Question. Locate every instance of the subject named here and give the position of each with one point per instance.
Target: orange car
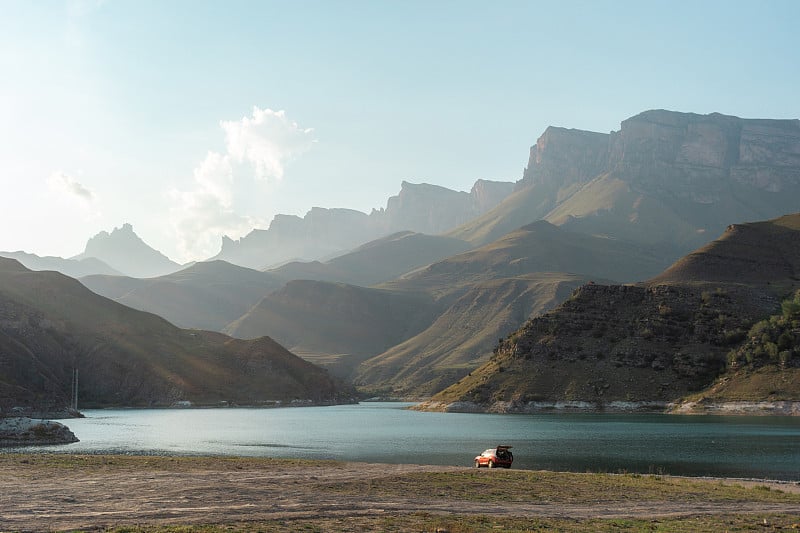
(500, 456)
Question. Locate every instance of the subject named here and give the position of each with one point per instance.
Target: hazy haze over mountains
(622, 207)
(322, 233)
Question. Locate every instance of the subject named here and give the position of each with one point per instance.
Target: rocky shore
(23, 431)
(776, 408)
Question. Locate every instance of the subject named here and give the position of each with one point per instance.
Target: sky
(192, 119)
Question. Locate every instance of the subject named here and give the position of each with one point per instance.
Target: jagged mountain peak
(126, 252)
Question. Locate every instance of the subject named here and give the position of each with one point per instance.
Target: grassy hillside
(463, 336)
(668, 338)
(335, 324)
(488, 292)
(50, 324)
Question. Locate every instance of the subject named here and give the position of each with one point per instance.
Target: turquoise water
(759, 447)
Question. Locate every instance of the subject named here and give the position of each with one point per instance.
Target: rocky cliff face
(699, 157)
(563, 157)
(486, 194)
(686, 154)
(665, 178)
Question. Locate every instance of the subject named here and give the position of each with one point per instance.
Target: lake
(757, 447)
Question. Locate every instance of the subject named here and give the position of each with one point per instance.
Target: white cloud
(259, 146)
(267, 140)
(201, 216)
(63, 184)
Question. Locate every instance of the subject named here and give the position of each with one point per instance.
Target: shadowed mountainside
(537, 247)
(653, 342)
(334, 324)
(50, 324)
(207, 295)
(74, 268)
(211, 295)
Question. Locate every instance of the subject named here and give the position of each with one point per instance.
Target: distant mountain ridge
(206, 295)
(323, 233)
(74, 268)
(667, 178)
(126, 252)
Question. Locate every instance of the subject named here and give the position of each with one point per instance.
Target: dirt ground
(36, 495)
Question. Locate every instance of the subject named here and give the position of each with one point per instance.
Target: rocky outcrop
(686, 154)
(28, 432)
(486, 194)
(698, 157)
(562, 157)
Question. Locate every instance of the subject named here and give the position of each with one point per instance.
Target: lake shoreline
(58, 492)
(699, 408)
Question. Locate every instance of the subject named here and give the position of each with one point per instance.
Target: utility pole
(75, 388)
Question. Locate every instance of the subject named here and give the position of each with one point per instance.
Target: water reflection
(762, 447)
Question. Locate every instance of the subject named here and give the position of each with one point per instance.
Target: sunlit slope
(521, 208)
(207, 295)
(538, 247)
(462, 338)
(759, 253)
(377, 261)
(336, 324)
(51, 324)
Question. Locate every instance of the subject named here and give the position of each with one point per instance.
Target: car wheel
(477, 464)
(490, 464)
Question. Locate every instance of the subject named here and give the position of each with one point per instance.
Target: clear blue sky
(165, 114)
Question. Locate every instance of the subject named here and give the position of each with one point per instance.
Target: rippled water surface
(761, 447)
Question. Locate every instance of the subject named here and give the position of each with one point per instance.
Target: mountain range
(50, 325)
(410, 299)
(324, 233)
(666, 179)
(654, 342)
